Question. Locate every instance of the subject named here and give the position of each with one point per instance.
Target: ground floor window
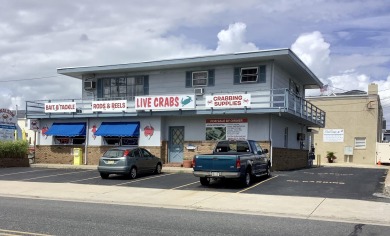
(63, 140)
(360, 142)
(120, 141)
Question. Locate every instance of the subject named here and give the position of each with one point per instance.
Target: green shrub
(13, 149)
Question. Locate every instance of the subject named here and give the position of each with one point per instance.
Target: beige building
(353, 126)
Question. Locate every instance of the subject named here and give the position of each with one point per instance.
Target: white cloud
(233, 39)
(312, 49)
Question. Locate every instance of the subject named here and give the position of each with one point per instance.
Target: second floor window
(249, 74)
(252, 74)
(122, 87)
(199, 78)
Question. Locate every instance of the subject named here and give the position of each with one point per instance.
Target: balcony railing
(264, 101)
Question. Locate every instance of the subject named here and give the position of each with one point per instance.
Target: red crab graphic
(148, 131)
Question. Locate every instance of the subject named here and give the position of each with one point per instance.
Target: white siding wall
(281, 79)
(195, 127)
(278, 126)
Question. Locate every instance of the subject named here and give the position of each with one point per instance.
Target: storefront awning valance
(118, 129)
(66, 129)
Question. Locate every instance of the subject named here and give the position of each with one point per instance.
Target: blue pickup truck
(241, 160)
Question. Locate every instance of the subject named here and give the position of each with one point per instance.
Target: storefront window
(63, 140)
(121, 141)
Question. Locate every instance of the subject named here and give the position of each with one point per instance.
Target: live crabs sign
(165, 102)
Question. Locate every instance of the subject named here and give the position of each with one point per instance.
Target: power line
(37, 78)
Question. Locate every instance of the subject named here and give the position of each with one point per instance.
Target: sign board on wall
(227, 129)
(109, 106)
(33, 124)
(59, 107)
(7, 132)
(165, 102)
(228, 101)
(333, 135)
(7, 117)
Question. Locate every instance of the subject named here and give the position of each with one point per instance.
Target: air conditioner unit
(89, 85)
(199, 91)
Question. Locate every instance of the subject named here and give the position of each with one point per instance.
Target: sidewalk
(341, 210)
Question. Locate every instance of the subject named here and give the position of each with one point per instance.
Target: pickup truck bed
(244, 160)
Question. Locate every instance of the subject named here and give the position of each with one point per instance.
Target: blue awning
(67, 129)
(118, 129)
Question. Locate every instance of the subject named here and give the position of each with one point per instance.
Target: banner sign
(7, 132)
(59, 107)
(227, 129)
(333, 136)
(165, 102)
(228, 101)
(109, 106)
(7, 117)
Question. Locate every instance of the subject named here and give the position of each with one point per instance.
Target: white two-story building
(179, 107)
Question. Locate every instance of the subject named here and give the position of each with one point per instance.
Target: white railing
(277, 100)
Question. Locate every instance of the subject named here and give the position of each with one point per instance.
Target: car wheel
(246, 179)
(158, 169)
(204, 181)
(133, 173)
(104, 175)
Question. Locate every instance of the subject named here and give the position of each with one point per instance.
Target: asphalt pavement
(320, 208)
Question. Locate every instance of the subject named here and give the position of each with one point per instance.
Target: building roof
(284, 58)
(353, 92)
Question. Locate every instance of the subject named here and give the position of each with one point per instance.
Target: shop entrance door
(176, 144)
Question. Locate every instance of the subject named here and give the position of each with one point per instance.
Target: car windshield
(114, 153)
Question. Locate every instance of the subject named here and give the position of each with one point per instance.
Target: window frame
(122, 87)
(358, 144)
(206, 79)
(248, 75)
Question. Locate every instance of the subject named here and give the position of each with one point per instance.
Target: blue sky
(345, 43)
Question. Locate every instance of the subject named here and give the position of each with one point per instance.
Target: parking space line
(15, 173)
(40, 177)
(184, 185)
(139, 180)
(79, 180)
(314, 181)
(257, 184)
(20, 233)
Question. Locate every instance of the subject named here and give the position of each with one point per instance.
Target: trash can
(77, 156)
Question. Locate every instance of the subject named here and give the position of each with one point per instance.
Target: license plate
(215, 174)
(110, 162)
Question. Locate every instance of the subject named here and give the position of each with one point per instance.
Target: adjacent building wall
(358, 116)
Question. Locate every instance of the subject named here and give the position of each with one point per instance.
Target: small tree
(330, 155)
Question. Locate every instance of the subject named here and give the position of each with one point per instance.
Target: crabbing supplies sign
(165, 102)
(228, 101)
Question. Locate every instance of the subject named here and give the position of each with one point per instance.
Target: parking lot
(327, 182)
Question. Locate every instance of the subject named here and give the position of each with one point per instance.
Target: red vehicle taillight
(238, 163)
(193, 162)
(125, 153)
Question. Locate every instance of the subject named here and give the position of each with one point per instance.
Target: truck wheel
(246, 179)
(104, 175)
(268, 171)
(204, 181)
